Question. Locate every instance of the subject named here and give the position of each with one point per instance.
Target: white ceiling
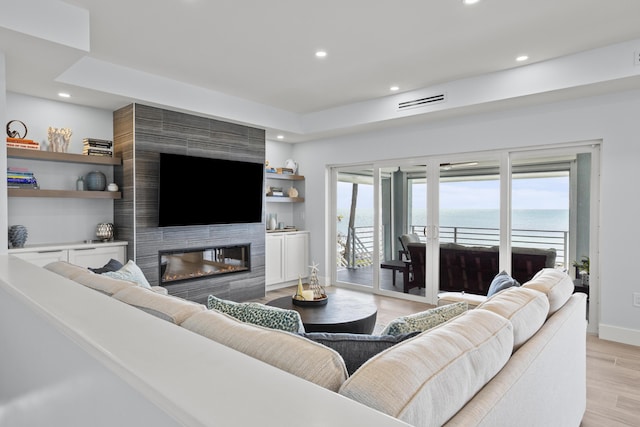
(259, 55)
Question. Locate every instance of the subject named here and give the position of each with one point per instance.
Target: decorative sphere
(104, 231)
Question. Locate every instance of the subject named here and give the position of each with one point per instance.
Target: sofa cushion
(112, 265)
(473, 300)
(289, 352)
(424, 320)
(525, 308)
(356, 349)
(556, 284)
(65, 269)
(104, 284)
(426, 379)
(500, 282)
(166, 307)
(258, 314)
(130, 272)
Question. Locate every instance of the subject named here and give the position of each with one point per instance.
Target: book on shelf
(11, 177)
(97, 152)
(277, 193)
(24, 146)
(285, 171)
(97, 143)
(16, 169)
(27, 186)
(20, 178)
(19, 174)
(22, 140)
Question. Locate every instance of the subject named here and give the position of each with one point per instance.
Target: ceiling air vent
(422, 102)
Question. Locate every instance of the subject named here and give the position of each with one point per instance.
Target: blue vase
(96, 181)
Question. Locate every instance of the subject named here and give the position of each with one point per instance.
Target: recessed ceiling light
(522, 58)
(64, 95)
(321, 54)
(280, 136)
(394, 88)
(469, 2)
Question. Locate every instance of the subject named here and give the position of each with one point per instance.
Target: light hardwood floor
(613, 370)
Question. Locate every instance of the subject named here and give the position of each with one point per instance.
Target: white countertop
(68, 245)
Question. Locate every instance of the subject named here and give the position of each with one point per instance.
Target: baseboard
(618, 334)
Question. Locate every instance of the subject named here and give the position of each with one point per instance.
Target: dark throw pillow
(356, 349)
(500, 282)
(112, 265)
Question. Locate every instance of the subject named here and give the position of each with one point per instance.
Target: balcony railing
(361, 242)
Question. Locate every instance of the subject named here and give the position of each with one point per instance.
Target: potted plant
(582, 269)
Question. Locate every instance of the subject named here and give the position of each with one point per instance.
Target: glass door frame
(505, 158)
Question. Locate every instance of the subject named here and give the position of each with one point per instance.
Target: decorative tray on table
(309, 303)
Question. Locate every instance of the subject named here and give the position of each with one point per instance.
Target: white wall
(50, 220)
(609, 118)
(3, 159)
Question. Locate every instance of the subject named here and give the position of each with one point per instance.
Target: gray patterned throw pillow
(424, 320)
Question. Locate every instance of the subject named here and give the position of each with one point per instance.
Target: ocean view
(523, 219)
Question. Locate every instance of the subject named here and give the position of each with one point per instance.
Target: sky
(545, 193)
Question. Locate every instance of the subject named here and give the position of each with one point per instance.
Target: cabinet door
(296, 256)
(274, 259)
(97, 257)
(42, 258)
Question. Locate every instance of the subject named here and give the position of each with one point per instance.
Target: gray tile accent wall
(141, 133)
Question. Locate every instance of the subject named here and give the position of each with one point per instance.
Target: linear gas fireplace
(190, 264)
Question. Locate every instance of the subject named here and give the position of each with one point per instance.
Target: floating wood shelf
(289, 177)
(285, 199)
(19, 153)
(26, 192)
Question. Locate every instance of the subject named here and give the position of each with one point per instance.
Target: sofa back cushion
(554, 283)
(526, 309)
(104, 284)
(284, 350)
(166, 307)
(65, 269)
(425, 380)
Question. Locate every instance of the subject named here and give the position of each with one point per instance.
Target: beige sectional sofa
(519, 358)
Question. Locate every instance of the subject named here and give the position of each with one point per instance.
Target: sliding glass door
(354, 233)
(469, 224)
(434, 224)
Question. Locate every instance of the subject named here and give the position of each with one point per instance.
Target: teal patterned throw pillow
(424, 320)
(258, 314)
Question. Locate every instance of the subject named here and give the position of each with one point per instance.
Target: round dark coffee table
(353, 313)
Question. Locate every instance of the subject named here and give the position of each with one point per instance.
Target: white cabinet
(44, 257)
(83, 254)
(296, 251)
(97, 256)
(287, 256)
(274, 258)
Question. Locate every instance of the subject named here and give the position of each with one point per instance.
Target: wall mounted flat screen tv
(202, 191)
